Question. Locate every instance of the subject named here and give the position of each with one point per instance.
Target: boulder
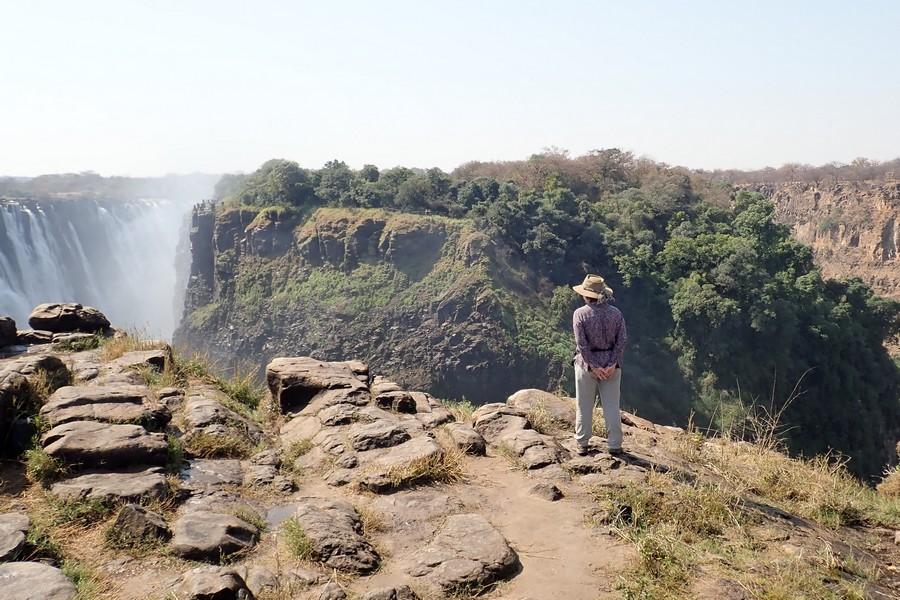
(204, 412)
(92, 444)
(334, 530)
(66, 317)
(34, 581)
(213, 583)
(8, 333)
(394, 593)
(129, 485)
(494, 420)
(465, 438)
(15, 386)
(211, 536)
(114, 403)
(467, 553)
(295, 382)
(13, 527)
(561, 410)
(532, 449)
(378, 434)
(135, 524)
(33, 336)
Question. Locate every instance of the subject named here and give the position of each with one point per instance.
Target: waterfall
(116, 255)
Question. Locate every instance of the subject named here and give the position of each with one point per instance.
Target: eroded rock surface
(211, 536)
(67, 317)
(335, 531)
(467, 553)
(93, 444)
(34, 581)
(132, 484)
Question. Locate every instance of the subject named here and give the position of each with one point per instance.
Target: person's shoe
(581, 450)
(616, 452)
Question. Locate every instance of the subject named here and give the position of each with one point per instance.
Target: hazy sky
(145, 87)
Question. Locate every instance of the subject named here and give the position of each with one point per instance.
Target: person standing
(600, 339)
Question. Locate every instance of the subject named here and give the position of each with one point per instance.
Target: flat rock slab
(128, 485)
(104, 403)
(13, 527)
(380, 475)
(94, 444)
(156, 359)
(294, 382)
(205, 475)
(213, 583)
(211, 536)
(34, 581)
(378, 434)
(467, 553)
(561, 410)
(466, 438)
(335, 531)
(65, 317)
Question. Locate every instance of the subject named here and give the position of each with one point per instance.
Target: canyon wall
(852, 227)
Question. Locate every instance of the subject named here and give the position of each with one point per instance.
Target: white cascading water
(118, 256)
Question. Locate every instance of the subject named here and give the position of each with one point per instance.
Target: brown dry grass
(446, 466)
(114, 347)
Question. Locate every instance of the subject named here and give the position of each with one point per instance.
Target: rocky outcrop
(34, 581)
(67, 317)
(114, 403)
(132, 484)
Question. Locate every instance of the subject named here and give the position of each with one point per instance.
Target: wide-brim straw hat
(594, 286)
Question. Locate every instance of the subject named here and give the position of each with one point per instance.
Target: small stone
(135, 524)
(213, 583)
(546, 491)
(897, 537)
(332, 591)
(395, 593)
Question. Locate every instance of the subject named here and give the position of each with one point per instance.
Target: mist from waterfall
(116, 255)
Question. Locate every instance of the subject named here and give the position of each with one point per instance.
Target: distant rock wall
(852, 227)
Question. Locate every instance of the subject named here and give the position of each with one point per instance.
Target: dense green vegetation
(728, 315)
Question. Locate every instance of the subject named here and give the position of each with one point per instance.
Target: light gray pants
(586, 388)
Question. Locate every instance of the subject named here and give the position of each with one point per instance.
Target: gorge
(459, 285)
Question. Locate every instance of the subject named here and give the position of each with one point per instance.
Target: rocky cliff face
(852, 227)
(427, 300)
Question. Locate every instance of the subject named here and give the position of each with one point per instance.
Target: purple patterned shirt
(600, 335)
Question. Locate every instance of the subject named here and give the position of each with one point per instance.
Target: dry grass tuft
(372, 521)
(445, 466)
(114, 347)
(890, 484)
(461, 410)
(252, 517)
(543, 422)
(295, 451)
(205, 445)
(507, 452)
